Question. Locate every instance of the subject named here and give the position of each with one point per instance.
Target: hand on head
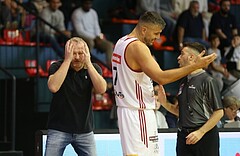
(69, 47)
(87, 55)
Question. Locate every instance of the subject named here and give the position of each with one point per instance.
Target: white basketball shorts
(138, 132)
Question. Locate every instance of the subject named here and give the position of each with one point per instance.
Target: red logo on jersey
(116, 58)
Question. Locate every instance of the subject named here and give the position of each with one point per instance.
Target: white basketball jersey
(132, 89)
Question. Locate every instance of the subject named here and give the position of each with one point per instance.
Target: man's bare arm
(139, 58)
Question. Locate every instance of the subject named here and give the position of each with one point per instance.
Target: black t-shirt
(193, 25)
(71, 107)
(201, 93)
(226, 24)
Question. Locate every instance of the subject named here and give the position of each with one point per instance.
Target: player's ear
(192, 57)
(143, 29)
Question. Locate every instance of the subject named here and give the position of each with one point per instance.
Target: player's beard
(148, 41)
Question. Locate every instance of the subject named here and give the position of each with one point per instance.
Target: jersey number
(115, 79)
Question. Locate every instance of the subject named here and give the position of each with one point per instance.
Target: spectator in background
(155, 5)
(182, 5)
(223, 23)
(235, 10)
(190, 26)
(86, 25)
(231, 106)
(5, 16)
(216, 68)
(67, 8)
(39, 5)
(232, 57)
(55, 17)
(16, 18)
(33, 7)
(168, 13)
(72, 81)
(147, 5)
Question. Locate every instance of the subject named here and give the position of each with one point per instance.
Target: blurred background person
(86, 25)
(158, 6)
(216, 68)
(231, 106)
(223, 23)
(39, 5)
(5, 16)
(167, 11)
(182, 5)
(232, 57)
(67, 8)
(12, 15)
(55, 17)
(190, 27)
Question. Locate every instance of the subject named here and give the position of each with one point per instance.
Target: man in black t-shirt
(71, 118)
(200, 108)
(223, 23)
(190, 26)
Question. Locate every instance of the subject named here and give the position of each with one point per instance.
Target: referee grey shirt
(200, 90)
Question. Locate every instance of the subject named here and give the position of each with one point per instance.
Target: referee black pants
(207, 146)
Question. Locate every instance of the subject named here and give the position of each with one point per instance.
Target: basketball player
(134, 68)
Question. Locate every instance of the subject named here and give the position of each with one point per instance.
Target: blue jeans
(83, 144)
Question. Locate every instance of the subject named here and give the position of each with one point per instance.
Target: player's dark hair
(152, 17)
(195, 45)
